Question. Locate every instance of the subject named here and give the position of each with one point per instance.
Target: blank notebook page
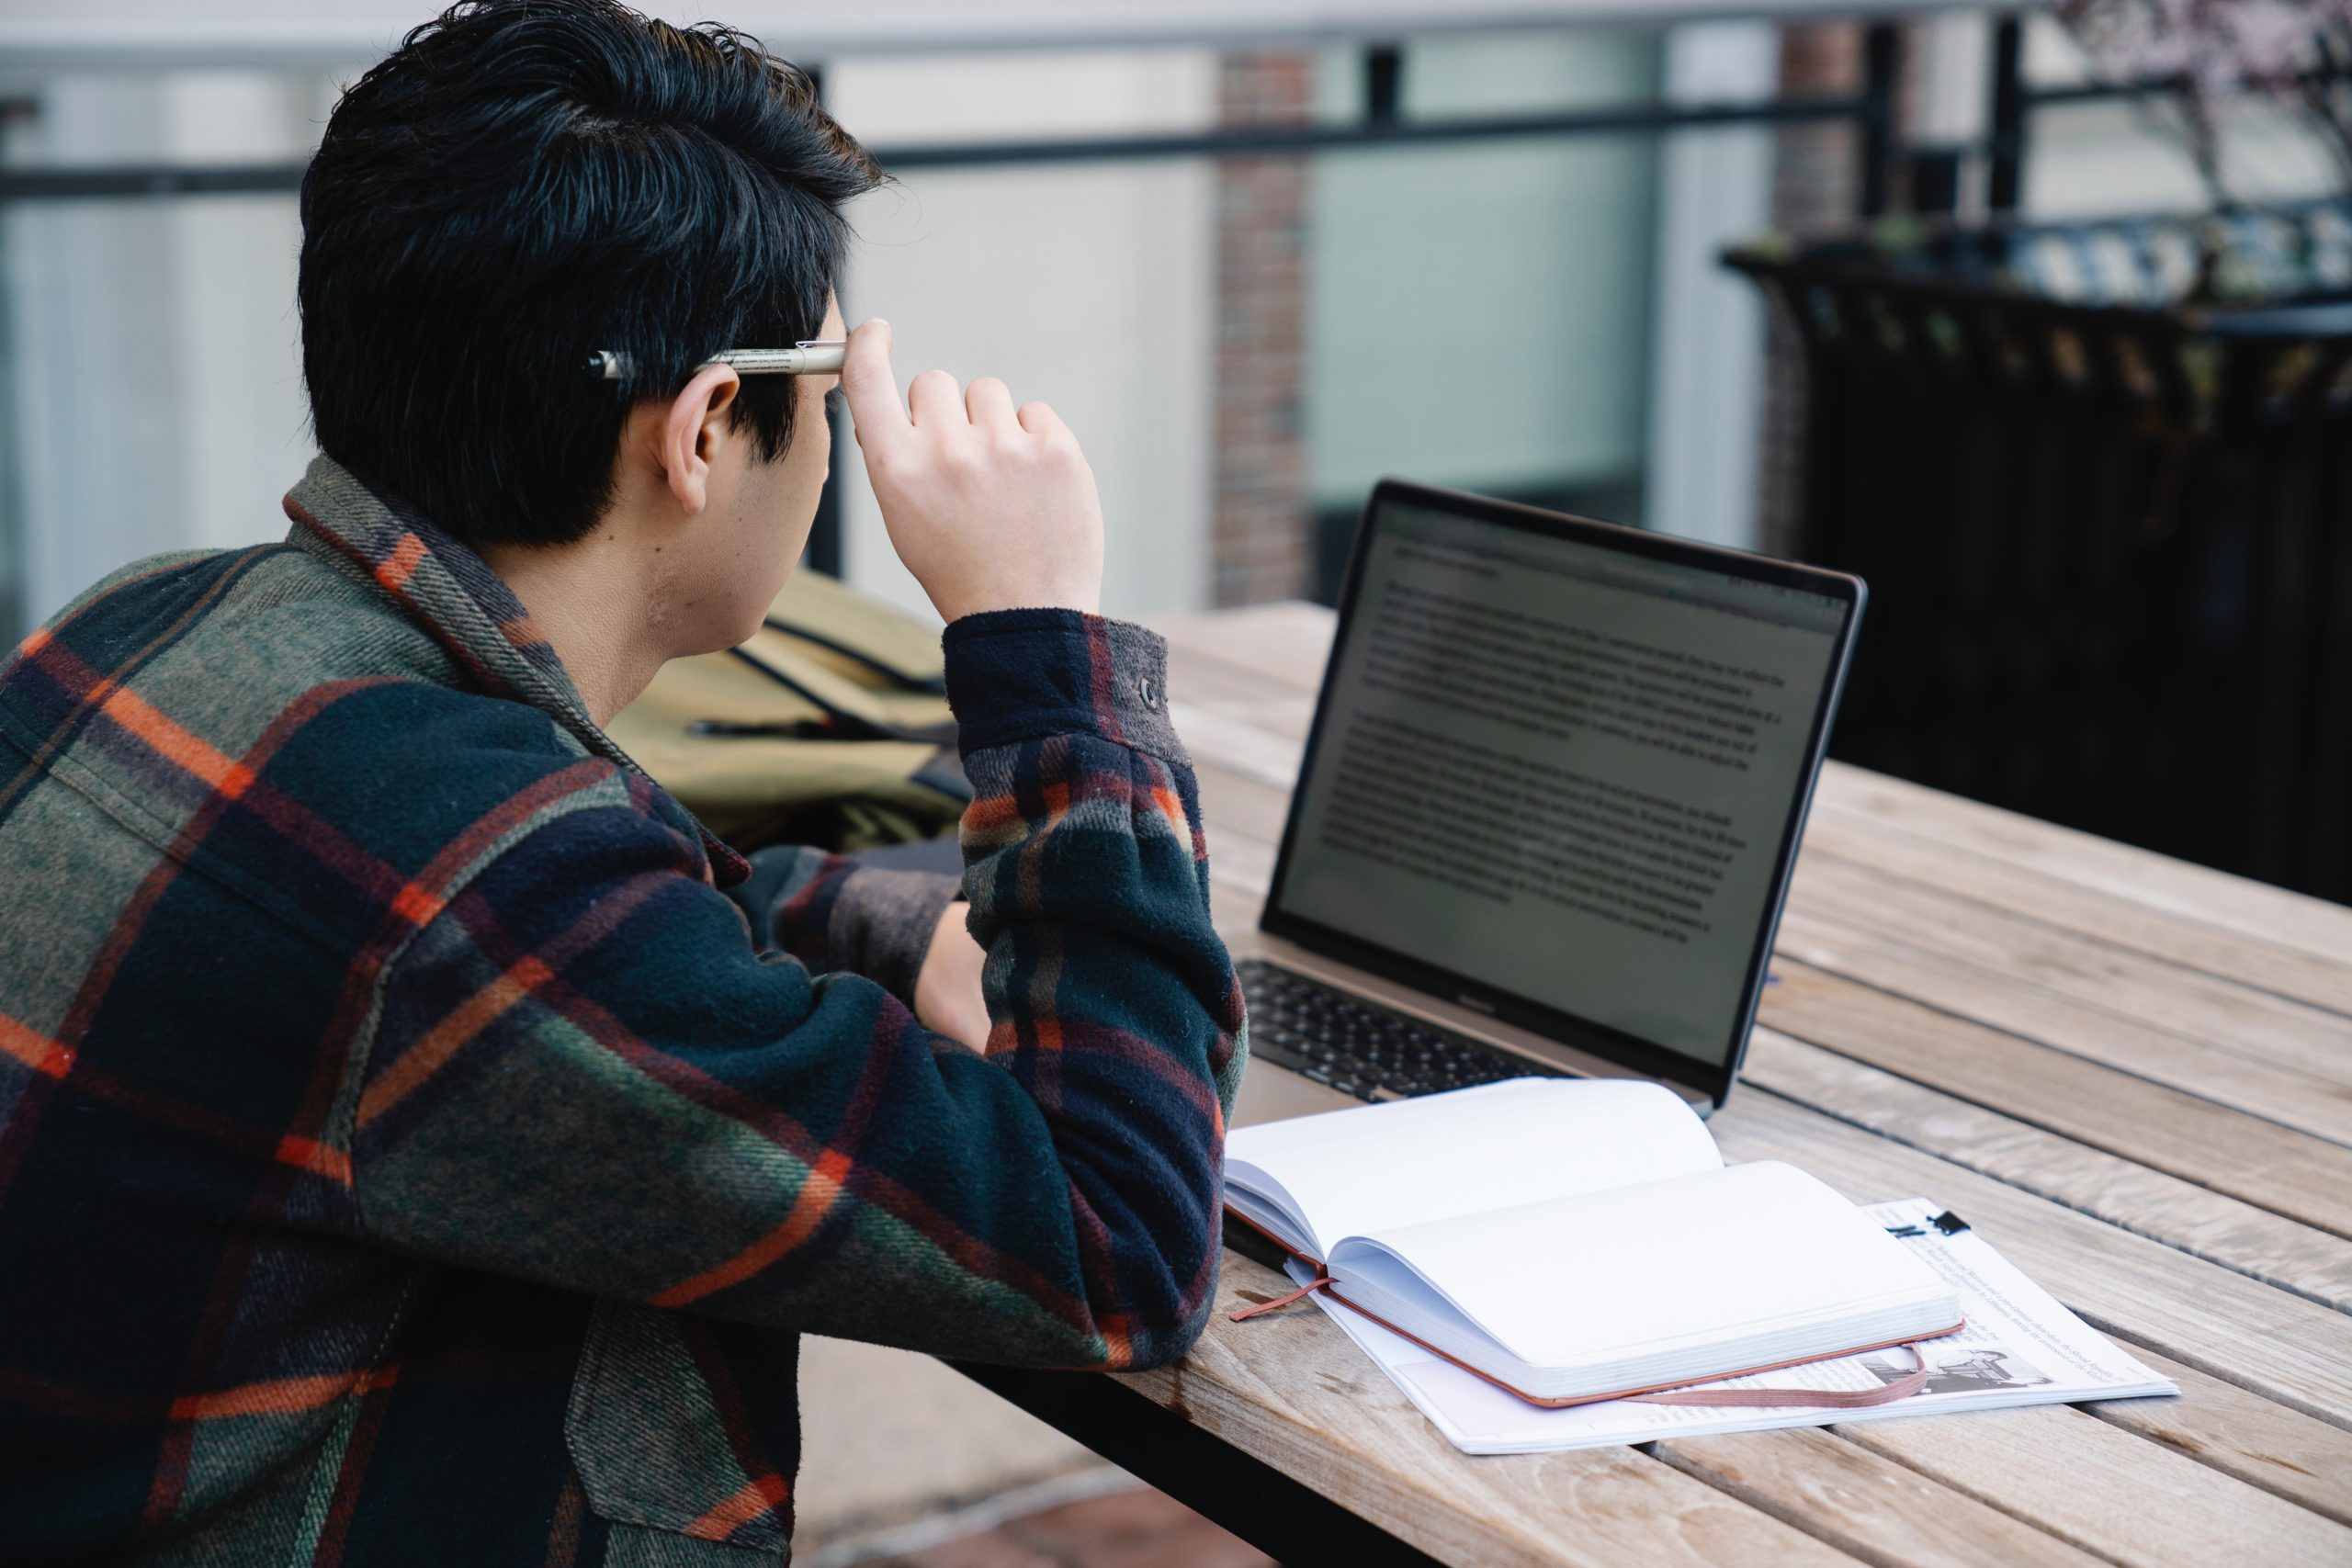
(1694, 1257)
(1371, 1167)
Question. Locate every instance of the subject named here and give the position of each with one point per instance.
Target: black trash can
(2100, 479)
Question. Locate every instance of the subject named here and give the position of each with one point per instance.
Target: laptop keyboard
(1359, 1049)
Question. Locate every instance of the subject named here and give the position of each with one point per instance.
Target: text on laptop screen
(1561, 771)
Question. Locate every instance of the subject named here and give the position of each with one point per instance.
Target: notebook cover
(1265, 1243)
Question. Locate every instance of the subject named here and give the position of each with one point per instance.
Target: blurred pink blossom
(2294, 49)
(2228, 43)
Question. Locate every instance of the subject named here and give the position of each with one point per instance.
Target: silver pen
(810, 356)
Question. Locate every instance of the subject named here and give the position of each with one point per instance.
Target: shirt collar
(460, 603)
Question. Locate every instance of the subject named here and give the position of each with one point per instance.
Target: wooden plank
(1243, 859)
(2290, 920)
(2108, 1491)
(2118, 1189)
(1243, 819)
(1286, 643)
(2321, 1106)
(1291, 1385)
(2031, 955)
(1293, 1391)
(2220, 1424)
(2268, 1374)
(2181, 1214)
(2282, 1346)
(1234, 804)
(2306, 1462)
(2108, 1186)
(1199, 671)
(1234, 902)
(2274, 1167)
(1879, 1511)
(1239, 746)
(1200, 681)
(2273, 1347)
(1892, 849)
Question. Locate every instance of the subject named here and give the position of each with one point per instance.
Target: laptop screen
(1564, 769)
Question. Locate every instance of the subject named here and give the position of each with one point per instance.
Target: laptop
(1548, 808)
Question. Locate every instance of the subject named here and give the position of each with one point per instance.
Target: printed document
(2018, 1346)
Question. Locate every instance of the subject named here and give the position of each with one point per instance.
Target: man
(419, 1142)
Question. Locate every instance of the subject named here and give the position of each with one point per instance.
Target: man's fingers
(867, 385)
(1039, 420)
(990, 402)
(933, 400)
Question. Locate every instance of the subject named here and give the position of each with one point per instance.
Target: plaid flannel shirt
(407, 1152)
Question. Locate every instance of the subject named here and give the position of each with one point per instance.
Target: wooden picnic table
(2132, 1076)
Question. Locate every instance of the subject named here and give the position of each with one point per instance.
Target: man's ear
(696, 424)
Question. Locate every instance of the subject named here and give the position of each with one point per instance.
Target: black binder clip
(1948, 1222)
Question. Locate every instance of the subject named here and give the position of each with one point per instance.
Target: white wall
(1090, 288)
(51, 33)
(1707, 354)
(1478, 312)
(154, 346)
(246, 418)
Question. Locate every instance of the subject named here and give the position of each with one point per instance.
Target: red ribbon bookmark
(1300, 1294)
(1904, 1387)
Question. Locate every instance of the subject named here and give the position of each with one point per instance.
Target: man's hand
(991, 508)
(948, 989)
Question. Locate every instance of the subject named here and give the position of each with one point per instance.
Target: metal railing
(1379, 122)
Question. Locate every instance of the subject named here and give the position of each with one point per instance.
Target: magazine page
(2018, 1346)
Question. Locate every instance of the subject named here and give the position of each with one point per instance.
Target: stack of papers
(2017, 1347)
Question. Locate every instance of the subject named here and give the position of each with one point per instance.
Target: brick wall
(1816, 184)
(1261, 545)
(1816, 189)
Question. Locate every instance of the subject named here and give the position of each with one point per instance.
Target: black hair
(522, 183)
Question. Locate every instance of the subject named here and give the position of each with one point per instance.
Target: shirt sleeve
(832, 913)
(584, 1075)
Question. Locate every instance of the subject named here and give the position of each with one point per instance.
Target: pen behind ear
(812, 357)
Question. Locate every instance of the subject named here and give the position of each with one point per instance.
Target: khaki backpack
(830, 726)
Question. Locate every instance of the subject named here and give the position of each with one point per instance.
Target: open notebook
(1575, 1240)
